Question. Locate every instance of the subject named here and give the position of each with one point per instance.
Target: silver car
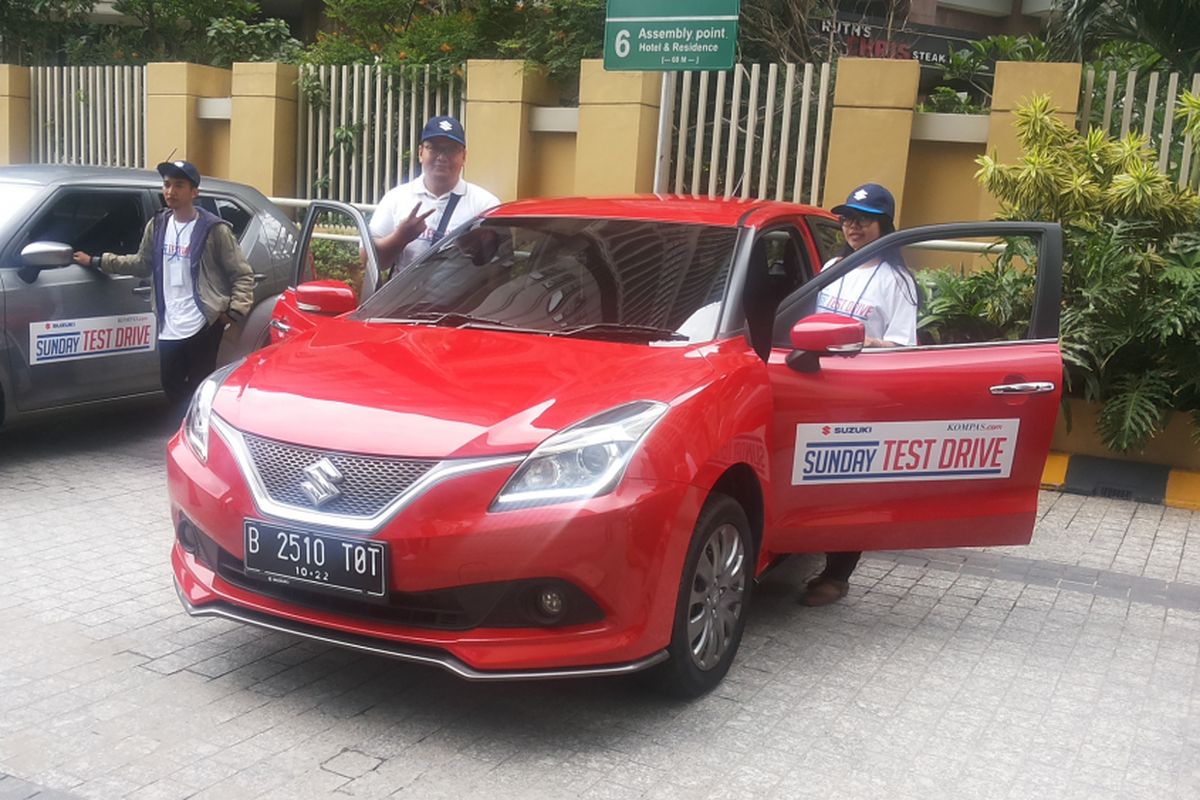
(73, 335)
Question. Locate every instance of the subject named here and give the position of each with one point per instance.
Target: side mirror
(47, 255)
(325, 297)
(824, 335)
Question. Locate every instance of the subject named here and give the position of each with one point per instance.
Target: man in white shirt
(412, 217)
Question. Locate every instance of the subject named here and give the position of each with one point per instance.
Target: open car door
(936, 445)
(331, 276)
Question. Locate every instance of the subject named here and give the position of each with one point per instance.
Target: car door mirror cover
(829, 334)
(326, 297)
(47, 255)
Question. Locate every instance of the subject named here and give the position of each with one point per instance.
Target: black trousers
(839, 566)
(184, 363)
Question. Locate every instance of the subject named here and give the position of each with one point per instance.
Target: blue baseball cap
(446, 128)
(870, 198)
(180, 169)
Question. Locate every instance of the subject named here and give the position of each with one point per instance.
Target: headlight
(582, 461)
(196, 423)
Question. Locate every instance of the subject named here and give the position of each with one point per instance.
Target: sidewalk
(1065, 669)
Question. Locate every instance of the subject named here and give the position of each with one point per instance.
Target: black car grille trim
(494, 605)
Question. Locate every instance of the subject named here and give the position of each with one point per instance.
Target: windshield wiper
(618, 330)
(453, 319)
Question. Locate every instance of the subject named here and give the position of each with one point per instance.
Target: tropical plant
(1169, 28)
(967, 79)
(1131, 273)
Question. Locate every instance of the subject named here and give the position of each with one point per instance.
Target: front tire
(714, 593)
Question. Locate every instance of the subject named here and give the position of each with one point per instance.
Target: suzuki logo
(321, 484)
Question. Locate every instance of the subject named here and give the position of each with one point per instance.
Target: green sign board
(659, 35)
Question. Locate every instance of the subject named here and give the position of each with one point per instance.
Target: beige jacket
(222, 281)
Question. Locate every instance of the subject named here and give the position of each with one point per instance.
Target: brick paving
(1065, 669)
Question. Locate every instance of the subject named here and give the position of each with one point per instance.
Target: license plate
(340, 564)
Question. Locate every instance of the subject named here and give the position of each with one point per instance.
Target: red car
(568, 439)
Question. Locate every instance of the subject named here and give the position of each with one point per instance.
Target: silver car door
(75, 334)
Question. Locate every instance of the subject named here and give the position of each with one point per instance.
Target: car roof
(52, 174)
(658, 208)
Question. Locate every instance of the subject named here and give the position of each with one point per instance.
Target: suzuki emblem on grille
(321, 484)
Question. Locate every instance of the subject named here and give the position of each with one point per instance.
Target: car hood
(430, 392)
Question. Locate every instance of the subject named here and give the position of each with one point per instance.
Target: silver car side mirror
(47, 255)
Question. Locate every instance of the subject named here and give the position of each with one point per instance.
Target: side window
(967, 290)
(92, 221)
(974, 290)
(828, 236)
(227, 210)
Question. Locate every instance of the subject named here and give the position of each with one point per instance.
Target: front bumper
(624, 550)
(409, 653)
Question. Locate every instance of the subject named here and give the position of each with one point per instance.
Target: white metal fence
(1121, 103)
(360, 126)
(88, 115)
(747, 132)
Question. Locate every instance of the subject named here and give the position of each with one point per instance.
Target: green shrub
(1131, 274)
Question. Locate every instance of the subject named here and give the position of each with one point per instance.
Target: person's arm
(140, 264)
(241, 276)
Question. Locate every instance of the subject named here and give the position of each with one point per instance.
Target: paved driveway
(1064, 669)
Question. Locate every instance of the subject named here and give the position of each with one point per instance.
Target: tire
(714, 595)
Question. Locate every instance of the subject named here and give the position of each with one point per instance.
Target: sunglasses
(859, 220)
(446, 150)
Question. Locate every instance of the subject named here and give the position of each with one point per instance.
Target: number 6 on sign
(621, 45)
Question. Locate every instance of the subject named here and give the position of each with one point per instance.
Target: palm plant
(1171, 28)
(1131, 272)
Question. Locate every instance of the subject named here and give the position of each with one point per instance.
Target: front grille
(369, 483)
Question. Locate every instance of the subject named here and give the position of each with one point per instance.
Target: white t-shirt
(397, 204)
(882, 298)
(182, 317)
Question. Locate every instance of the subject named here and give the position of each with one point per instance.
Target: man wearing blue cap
(202, 282)
(412, 217)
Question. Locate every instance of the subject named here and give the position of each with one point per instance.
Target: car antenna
(168, 158)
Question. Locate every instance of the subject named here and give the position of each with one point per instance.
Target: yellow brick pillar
(1016, 83)
(173, 93)
(262, 127)
(618, 130)
(873, 105)
(500, 147)
(14, 114)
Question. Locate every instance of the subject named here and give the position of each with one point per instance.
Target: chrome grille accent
(370, 482)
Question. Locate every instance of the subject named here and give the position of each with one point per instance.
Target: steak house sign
(869, 38)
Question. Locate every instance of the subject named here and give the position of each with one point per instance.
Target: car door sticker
(57, 340)
(876, 452)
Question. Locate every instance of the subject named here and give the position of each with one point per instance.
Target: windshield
(586, 277)
(14, 197)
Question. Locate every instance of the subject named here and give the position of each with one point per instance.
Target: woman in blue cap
(882, 295)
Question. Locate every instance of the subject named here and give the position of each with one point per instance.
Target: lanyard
(867, 285)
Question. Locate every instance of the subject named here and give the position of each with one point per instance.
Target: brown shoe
(823, 591)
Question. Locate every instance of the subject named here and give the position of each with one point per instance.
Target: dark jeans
(184, 363)
(839, 566)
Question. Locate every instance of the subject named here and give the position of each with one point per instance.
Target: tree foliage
(31, 30)
(1169, 28)
(553, 33)
(1131, 274)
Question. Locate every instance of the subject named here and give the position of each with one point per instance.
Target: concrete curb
(1126, 480)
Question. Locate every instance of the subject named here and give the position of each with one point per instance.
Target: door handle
(280, 326)
(141, 290)
(1032, 387)
(259, 278)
